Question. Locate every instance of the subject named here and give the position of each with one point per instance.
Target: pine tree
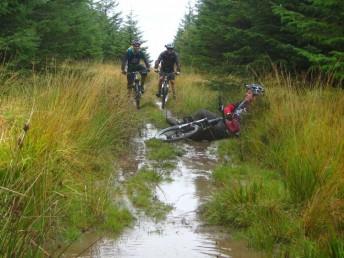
(181, 40)
(132, 31)
(111, 21)
(18, 35)
(318, 28)
(237, 36)
(69, 29)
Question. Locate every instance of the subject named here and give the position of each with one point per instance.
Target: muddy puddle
(182, 233)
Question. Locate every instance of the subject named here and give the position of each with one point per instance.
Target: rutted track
(181, 234)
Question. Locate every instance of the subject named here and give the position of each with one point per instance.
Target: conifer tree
(318, 30)
(132, 31)
(181, 40)
(111, 21)
(19, 38)
(237, 36)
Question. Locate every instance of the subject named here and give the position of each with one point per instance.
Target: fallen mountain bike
(186, 130)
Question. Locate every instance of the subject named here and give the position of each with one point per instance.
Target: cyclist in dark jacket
(131, 59)
(230, 126)
(168, 59)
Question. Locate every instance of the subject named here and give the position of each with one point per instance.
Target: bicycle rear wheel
(177, 132)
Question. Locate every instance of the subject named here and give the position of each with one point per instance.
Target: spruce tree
(131, 31)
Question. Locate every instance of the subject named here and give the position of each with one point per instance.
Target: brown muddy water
(182, 233)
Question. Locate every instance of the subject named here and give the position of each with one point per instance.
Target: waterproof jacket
(133, 59)
(167, 60)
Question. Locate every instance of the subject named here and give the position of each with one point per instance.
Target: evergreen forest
(44, 31)
(232, 36)
(69, 124)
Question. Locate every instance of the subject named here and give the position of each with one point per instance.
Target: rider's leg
(143, 73)
(172, 121)
(203, 113)
(217, 131)
(158, 94)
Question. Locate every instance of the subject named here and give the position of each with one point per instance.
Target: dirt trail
(181, 234)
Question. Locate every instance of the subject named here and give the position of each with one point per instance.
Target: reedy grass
(192, 93)
(296, 131)
(140, 191)
(59, 183)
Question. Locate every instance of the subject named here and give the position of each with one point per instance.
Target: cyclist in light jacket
(131, 59)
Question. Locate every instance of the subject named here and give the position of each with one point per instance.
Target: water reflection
(181, 234)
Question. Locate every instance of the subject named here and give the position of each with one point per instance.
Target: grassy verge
(140, 189)
(56, 184)
(280, 184)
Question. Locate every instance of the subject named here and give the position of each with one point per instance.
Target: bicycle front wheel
(137, 95)
(177, 132)
(164, 96)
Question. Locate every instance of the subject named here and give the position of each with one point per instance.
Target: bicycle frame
(203, 123)
(137, 87)
(165, 87)
(183, 131)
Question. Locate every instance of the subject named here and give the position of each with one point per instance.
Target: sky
(158, 20)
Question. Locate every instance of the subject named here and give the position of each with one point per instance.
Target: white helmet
(256, 88)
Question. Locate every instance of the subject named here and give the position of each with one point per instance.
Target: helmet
(257, 89)
(136, 43)
(169, 46)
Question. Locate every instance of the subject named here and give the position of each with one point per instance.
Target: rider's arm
(232, 122)
(145, 60)
(157, 62)
(228, 111)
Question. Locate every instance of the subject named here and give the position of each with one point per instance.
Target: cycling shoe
(172, 121)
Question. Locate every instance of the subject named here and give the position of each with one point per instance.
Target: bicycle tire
(164, 96)
(137, 95)
(177, 132)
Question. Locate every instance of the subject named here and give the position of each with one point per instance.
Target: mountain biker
(131, 59)
(168, 59)
(230, 126)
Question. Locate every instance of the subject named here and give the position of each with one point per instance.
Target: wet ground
(182, 233)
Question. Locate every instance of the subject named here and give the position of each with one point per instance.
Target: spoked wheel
(177, 132)
(137, 95)
(164, 96)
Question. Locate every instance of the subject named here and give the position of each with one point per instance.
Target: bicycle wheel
(177, 132)
(164, 95)
(137, 94)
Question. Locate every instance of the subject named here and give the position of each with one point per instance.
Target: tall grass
(299, 133)
(296, 132)
(59, 182)
(192, 93)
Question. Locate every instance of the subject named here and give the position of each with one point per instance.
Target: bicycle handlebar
(174, 73)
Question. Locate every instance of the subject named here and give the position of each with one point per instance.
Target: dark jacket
(168, 60)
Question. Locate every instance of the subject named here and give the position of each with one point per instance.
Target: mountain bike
(187, 129)
(137, 87)
(165, 87)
